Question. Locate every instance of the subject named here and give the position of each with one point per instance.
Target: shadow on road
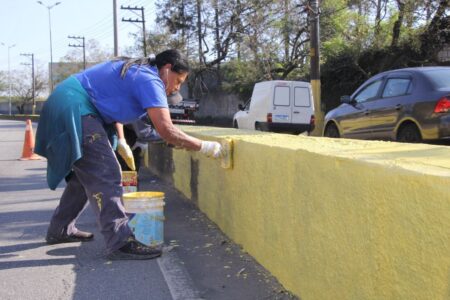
(32, 182)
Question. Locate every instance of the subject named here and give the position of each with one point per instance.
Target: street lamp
(49, 7)
(9, 74)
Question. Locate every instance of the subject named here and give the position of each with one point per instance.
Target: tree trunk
(286, 30)
(239, 33)
(218, 42)
(378, 22)
(431, 42)
(199, 32)
(398, 23)
(183, 28)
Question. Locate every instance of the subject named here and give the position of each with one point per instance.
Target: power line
(78, 39)
(142, 20)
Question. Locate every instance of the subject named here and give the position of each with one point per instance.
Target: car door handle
(398, 107)
(296, 112)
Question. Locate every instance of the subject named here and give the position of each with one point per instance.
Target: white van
(279, 106)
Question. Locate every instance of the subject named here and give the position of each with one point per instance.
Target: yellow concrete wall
(331, 219)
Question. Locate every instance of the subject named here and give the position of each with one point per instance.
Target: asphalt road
(199, 261)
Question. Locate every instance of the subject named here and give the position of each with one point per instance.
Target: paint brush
(227, 159)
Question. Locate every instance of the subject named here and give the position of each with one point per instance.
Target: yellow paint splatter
(94, 137)
(98, 198)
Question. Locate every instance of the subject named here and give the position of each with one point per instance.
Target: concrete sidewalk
(199, 261)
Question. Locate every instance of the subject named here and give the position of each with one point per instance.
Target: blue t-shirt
(123, 99)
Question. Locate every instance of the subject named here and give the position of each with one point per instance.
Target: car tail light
(312, 121)
(269, 118)
(443, 105)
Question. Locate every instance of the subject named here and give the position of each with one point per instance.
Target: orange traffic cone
(28, 145)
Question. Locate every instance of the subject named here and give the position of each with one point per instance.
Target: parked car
(405, 105)
(279, 106)
(183, 111)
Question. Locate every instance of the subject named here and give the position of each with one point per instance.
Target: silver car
(406, 105)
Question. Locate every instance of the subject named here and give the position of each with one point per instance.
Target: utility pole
(314, 12)
(116, 38)
(9, 73)
(78, 39)
(33, 81)
(142, 20)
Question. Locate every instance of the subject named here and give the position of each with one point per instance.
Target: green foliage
(246, 41)
(3, 81)
(341, 75)
(239, 77)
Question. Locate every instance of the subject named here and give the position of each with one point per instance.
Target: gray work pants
(95, 177)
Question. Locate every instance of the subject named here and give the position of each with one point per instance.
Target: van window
(301, 97)
(281, 96)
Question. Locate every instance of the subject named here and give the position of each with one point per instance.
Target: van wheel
(409, 133)
(331, 131)
(235, 125)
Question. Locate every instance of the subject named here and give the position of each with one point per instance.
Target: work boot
(134, 249)
(79, 236)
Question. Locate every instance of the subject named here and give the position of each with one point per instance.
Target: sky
(25, 24)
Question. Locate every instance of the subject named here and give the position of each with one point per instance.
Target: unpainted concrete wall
(331, 219)
(4, 108)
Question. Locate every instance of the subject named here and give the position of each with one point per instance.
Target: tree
(22, 87)
(94, 53)
(231, 41)
(398, 23)
(436, 34)
(3, 81)
(178, 18)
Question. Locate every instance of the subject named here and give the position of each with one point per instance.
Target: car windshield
(439, 78)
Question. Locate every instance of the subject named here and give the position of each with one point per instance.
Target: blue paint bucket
(146, 211)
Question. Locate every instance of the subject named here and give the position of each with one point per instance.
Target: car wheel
(258, 127)
(235, 125)
(409, 133)
(331, 131)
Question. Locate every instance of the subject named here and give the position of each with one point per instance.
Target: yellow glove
(126, 153)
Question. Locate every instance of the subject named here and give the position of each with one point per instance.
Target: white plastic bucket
(147, 219)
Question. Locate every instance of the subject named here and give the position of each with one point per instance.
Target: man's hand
(126, 153)
(212, 149)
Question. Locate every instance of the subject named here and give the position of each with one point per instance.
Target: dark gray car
(407, 105)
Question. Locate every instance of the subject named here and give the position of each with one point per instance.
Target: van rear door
(281, 103)
(302, 108)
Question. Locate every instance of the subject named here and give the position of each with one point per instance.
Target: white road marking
(180, 284)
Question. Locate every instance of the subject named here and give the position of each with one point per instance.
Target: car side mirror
(346, 99)
(241, 107)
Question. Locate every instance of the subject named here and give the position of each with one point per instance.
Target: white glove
(212, 149)
(143, 146)
(126, 153)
